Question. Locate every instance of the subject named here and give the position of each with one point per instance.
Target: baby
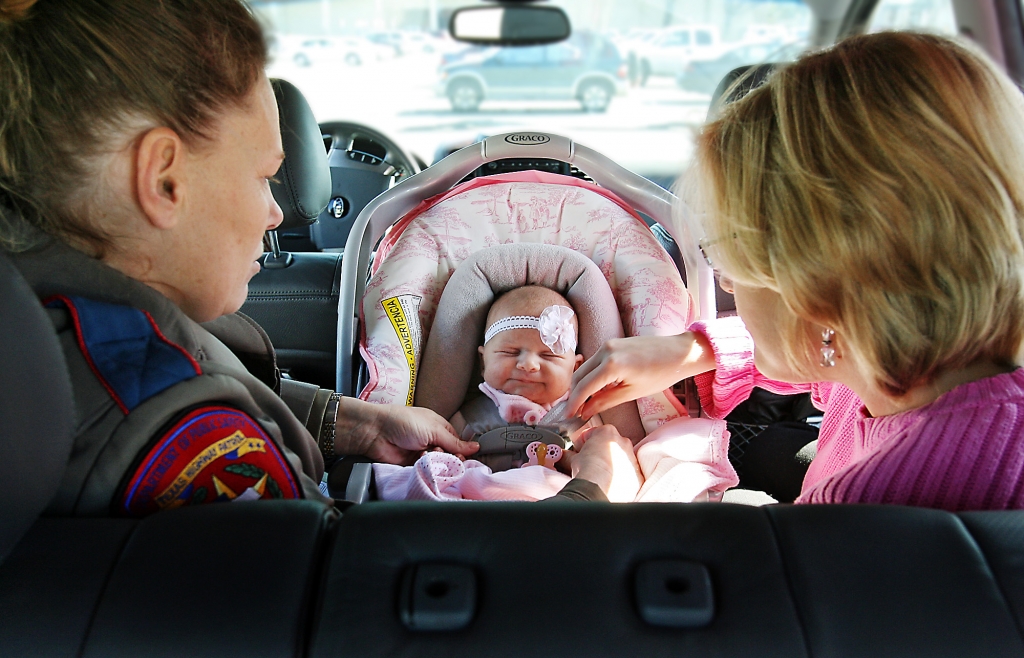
(527, 361)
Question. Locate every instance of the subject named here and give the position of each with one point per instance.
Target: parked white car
(408, 42)
(339, 50)
(669, 53)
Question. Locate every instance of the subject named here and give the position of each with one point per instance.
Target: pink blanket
(685, 460)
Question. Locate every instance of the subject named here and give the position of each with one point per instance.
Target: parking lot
(649, 129)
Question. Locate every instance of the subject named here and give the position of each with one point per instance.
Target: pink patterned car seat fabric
(419, 253)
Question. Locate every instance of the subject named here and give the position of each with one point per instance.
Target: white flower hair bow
(554, 325)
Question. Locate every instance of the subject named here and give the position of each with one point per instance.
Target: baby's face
(517, 361)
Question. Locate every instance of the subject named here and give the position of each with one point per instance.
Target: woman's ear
(579, 362)
(159, 176)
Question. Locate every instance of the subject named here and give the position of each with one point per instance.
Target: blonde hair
(877, 187)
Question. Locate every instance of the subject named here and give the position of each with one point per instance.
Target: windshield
(634, 81)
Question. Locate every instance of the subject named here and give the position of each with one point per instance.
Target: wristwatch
(329, 426)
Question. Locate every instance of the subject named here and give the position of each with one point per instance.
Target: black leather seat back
(212, 580)
(298, 308)
(578, 579)
(36, 408)
(295, 298)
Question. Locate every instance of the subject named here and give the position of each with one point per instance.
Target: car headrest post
(276, 259)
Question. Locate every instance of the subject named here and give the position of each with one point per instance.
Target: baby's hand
(440, 449)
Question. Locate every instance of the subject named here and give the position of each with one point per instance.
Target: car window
(522, 56)
(562, 54)
(757, 54)
(678, 39)
(615, 86)
(927, 15)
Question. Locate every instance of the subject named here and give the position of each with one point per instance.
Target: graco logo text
(527, 138)
(522, 436)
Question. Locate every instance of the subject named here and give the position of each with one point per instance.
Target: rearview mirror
(509, 25)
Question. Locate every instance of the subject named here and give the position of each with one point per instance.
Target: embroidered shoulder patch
(211, 455)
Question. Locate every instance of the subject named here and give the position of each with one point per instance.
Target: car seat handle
(640, 193)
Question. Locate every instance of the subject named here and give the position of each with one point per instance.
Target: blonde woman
(865, 206)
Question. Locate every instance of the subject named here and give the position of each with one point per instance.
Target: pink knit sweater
(964, 451)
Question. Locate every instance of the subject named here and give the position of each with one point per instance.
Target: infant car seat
(414, 261)
(622, 188)
(525, 209)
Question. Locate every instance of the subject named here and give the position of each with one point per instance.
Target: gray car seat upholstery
(737, 83)
(295, 296)
(36, 408)
(298, 308)
(215, 580)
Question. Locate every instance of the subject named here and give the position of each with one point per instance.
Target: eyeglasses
(704, 244)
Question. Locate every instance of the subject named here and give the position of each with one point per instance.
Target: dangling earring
(828, 353)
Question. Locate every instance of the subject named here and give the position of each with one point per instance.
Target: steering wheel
(343, 133)
(364, 163)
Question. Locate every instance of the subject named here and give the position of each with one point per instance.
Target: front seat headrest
(303, 187)
(737, 83)
(36, 406)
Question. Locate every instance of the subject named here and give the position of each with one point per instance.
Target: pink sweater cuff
(733, 378)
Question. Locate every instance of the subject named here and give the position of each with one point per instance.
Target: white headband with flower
(554, 325)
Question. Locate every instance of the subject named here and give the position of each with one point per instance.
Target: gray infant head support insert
(449, 363)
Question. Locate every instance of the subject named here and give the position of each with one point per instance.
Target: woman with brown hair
(866, 207)
(137, 139)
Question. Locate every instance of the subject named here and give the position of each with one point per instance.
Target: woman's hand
(625, 369)
(607, 460)
(394, 434)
